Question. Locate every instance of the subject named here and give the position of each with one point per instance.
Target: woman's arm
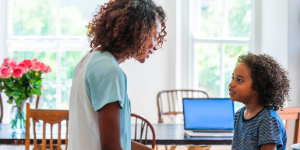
(109, 126)
(138, 146)
(269, 147)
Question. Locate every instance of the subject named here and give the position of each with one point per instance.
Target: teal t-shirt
(106, 83)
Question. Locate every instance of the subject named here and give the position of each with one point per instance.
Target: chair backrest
(288, 114)
(144, 125)
(1, 107)
(47, 116)
(169, 102)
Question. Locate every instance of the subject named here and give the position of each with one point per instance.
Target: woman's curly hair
(270, 80)
(122, 27)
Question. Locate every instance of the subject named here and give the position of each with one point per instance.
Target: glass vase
(18, 119)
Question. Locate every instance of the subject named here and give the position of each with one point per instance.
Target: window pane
(239, 18)
(48, 98)
(34, 17)
(208, 64)
(231, 55)
(210, 22)
(75, 15)
(69, 60)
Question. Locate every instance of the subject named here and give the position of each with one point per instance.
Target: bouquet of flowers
(21, 81)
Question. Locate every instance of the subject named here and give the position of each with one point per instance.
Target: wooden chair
(143, 122)
(169, 103)
(1, 107)
(47, 116)
(288, 114)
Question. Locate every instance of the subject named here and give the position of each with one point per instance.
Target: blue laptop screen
(208, 114)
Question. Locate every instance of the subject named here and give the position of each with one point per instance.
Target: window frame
(57, 41)
(188, 75)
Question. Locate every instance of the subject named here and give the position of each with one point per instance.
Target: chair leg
(172, 147)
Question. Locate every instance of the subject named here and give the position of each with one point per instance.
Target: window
(219, 33)
(54, 33)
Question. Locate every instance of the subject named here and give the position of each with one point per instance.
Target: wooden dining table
(166, 134)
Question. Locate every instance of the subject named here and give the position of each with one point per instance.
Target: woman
(99, 105)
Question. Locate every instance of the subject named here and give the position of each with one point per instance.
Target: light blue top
(106, 83)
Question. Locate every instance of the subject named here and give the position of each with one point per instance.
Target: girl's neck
(252, 109)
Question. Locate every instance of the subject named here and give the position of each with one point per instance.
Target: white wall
(294, 55)
(274, 30)
(3, 53)
(294, 51)
(3, 28)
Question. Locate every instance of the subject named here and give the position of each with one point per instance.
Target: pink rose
(5, 72)
(27, 62)
(43, 67)
(48, 69)
(12, 64)
(6, 62)
(18, 72)
(36, 66)
(22, 65)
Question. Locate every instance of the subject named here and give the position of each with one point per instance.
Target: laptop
(208, 117)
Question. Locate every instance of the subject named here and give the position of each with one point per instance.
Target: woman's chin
(141, 60)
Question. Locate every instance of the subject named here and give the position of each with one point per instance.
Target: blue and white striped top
(264, 128)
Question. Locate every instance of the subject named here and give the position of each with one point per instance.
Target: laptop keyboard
(213, 131)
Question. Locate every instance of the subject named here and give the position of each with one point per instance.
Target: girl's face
(151, 44)
(240, 88)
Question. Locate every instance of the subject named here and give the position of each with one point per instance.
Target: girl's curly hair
(122, 27)
(270, 80)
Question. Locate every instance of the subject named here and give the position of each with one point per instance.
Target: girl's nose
(231, 84)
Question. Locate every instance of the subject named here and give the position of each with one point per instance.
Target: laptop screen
(215, 113)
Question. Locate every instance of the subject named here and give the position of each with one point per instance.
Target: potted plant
(20, 81)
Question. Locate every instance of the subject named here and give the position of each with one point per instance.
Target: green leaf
(18, 102)
(22, 96)
(22, 89)
(9, 101)
(27, 75)
(10, 84)
(13, 123)
(15, 88)
(17, 93)
(16, 98)
(36, 86)
(9, 93)
(32, 81)
(36, 91)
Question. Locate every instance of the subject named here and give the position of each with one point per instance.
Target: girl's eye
(232, 78)
(239, 80)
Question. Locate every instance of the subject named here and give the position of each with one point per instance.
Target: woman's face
(151, 44)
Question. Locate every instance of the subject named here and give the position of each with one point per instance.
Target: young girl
(99, 106)
(260, 83)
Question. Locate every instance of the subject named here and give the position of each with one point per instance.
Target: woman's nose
(154, 47)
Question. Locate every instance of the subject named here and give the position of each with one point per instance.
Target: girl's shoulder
(240, 111)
